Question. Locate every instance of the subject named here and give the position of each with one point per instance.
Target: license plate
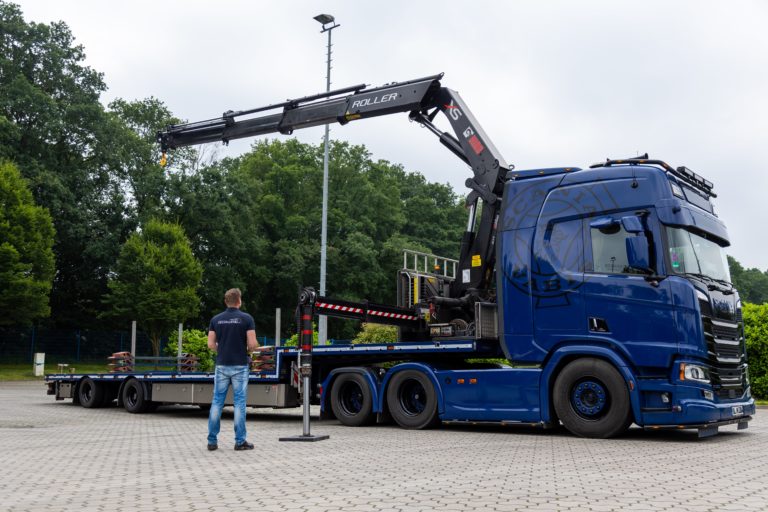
(737, 410)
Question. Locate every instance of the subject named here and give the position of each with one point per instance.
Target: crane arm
(422, 98)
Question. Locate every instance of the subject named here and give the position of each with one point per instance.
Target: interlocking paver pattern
(58, 457)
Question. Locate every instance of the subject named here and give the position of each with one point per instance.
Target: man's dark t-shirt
(231, 327)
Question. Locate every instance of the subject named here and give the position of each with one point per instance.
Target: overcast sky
(554, 83)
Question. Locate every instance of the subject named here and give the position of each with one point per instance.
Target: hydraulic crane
(422, 99)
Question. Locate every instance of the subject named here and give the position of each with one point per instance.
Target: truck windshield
(692, 253)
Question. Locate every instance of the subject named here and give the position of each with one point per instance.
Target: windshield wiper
(711, 280)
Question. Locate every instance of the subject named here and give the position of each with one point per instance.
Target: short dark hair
(232, 297)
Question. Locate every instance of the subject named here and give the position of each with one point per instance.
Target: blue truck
(606, 290)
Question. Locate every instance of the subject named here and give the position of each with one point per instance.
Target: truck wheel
(90, 393)
(591, 399)
(134, 398)
(412, 400)
(352, 400)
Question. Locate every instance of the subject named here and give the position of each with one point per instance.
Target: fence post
(133, 338)
(178, 353)
(32, 345)
(121, 341)
(77, 337)
(277, 327)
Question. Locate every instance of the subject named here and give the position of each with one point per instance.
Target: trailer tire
(412, 400)
(134, 397)
(591, 399)
(352, 400)
(90, 393)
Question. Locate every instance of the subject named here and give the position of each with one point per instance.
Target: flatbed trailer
(143, 391)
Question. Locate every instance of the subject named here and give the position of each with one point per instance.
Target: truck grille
(727, 355)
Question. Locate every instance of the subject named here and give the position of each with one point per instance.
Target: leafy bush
(756, 333)
(194, 341)
(376, 333)
(293, 341)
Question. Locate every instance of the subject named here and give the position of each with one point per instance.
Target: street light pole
(325, 19)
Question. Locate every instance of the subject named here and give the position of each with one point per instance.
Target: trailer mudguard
(421, 367)
(568, 352)
(370, 377)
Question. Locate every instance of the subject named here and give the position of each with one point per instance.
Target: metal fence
(18, 344)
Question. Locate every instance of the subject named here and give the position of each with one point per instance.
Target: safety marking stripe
(350, 309)
(337, 307)
(399, 316)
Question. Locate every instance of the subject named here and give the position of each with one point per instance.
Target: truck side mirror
(603, 223)
(632, 224)
(638, 253)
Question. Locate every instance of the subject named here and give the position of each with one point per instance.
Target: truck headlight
(694, 372)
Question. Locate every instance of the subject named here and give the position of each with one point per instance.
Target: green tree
(752, 283)
(26, 255)
(156, 280)
(756, 334)
(54, 128)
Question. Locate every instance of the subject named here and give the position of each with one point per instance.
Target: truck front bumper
(688, 410)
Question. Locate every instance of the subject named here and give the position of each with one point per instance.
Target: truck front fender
(565, 354)
(421, 367)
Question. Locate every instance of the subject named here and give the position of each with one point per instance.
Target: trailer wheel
(412, 400)
(591, 399)
(134, 397)
(352, 400)
(90, 393)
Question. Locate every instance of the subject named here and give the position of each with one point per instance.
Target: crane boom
(422, 99)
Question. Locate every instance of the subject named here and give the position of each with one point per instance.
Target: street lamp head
(324, 18)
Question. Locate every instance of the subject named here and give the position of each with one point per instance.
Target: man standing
(231, 334)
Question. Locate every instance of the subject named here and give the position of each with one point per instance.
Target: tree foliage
(92, 168)
(752, 283)
(376, 333)
(156, 280)
(193, 341)
(756, 334)
(26, 255)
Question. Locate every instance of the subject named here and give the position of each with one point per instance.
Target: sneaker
(212, 447)
(245, 445)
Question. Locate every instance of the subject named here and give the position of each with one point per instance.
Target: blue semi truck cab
(593, 298)
(623, 263)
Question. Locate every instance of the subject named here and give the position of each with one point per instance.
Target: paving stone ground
(58, 457)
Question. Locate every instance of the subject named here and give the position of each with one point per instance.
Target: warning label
(476, 262)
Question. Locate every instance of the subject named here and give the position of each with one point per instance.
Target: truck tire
(90, 393)
(412, 400)
(352, 400)
(591, 399)
(134, 397)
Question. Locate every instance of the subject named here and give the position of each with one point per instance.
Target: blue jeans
(237, 377)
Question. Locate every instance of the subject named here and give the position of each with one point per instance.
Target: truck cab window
(565, 247)
(609, 250)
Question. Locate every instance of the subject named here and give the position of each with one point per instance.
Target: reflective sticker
(465, 275)
(476, 262)
(477, 146)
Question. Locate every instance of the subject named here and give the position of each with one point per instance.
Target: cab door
(622, 305)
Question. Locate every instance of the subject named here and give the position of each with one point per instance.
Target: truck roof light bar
(682, 173)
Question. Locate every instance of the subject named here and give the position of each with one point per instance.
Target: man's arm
(252, 343)
(212, 341)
